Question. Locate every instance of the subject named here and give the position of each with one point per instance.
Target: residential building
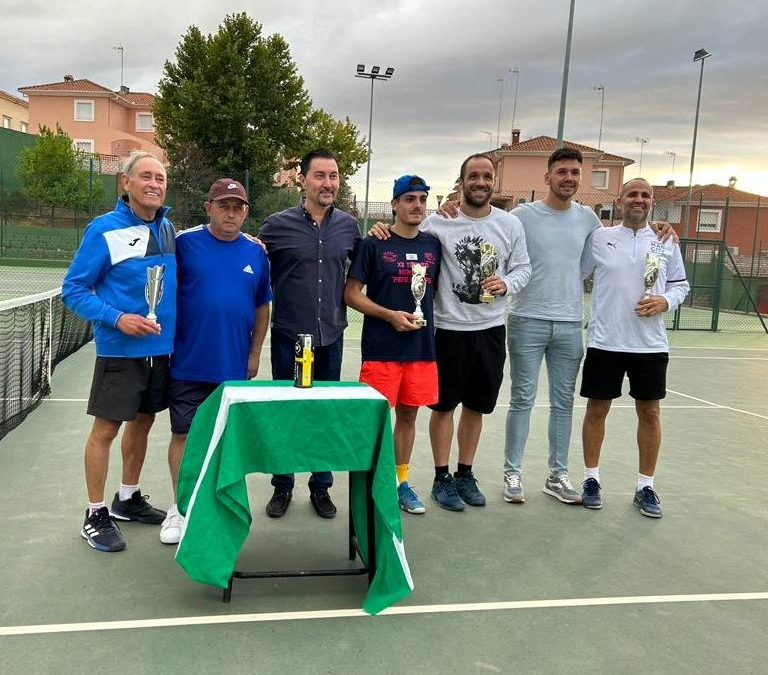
(14, 112)
(718, 213)
(98, 120)
(521, 165)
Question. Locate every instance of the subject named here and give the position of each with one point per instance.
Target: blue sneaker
(444, 493)
(408, 500)
(466, 486)
(648, 502)
(591, 495)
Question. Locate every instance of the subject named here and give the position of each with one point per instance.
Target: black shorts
(184, 398)
(122, 388)
(604, 371)
(470, 368)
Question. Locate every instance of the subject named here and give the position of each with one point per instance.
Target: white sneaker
(172, 527)
(513, 488)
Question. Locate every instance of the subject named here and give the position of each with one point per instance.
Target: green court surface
(535, 588)
(16, 282)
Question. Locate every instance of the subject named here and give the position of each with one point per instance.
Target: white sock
(95, 506)
(644, 481)
(592, 473)
(126, 491)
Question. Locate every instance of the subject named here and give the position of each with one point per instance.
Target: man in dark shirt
(308, 248)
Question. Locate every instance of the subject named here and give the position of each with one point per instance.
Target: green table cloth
(274, 427)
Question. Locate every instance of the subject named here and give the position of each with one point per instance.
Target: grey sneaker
(513, 488)
(561, 489)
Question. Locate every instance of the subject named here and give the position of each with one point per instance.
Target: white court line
(717, 405)
(722, 358)
(267, 617)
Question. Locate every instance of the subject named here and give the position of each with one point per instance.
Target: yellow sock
(402, 473)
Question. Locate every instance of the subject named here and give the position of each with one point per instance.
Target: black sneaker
(101, 532)
(321, 500)
(278, 505)
(137, 509)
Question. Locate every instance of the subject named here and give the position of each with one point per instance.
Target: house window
(23, 126)
(600, 179)
(606, 212)
(145, 122)
(6, 122)
(83, 144)
(709, 220)
(84, 111)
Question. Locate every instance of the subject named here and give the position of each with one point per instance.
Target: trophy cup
(418, 288)
(489, 261)
(651, 273)
(153, 291)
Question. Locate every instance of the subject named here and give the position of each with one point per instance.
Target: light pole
(500, 80)
(490, 138)
(673, 155)
(566, 65)
(516, 72)
(373, 75)
(601, 89)
(642, 142)
(120, 49)
(699, 55)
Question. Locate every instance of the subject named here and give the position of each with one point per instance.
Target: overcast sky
(448, 56)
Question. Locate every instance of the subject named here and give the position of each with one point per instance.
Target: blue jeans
(529, 341)
(327, 369)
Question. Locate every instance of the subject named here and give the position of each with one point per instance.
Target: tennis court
(16, 282)
(534, 588)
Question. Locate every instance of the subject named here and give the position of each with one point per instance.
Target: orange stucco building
(97, 119)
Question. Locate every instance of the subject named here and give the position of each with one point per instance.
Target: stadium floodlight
(374, 74)
(699, 55)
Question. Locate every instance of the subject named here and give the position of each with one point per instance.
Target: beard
(477, 202)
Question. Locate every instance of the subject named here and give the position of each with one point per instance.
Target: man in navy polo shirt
(308, 248)
(222, 317)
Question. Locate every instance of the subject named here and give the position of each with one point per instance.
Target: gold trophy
(489, 262)
(418, 288)
(651, 273)
(153, 291)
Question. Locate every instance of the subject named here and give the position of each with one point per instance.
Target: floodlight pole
(566, 66)
(642, 142)
(516, 71)
(699, 55)
(374, 74)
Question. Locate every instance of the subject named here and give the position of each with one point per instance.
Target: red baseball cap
(226, 188)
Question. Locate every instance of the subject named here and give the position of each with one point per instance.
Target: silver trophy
(489, 262)
(153, 291)
(418, 288)
(651, 272)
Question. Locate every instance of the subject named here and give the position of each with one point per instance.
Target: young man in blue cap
(398, 344)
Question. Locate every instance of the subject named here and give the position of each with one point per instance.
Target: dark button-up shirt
(308, 263)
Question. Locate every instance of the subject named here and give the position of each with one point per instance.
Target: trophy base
(487, 298)
(420, 322)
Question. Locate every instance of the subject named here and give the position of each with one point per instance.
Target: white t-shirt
(618, 256)
(457, 302)
(555, 241)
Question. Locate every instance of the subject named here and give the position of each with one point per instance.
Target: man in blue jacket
(107, 284)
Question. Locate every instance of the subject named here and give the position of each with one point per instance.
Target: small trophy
(489, 261)
(651, 273)
(153, 291)
(418, 288)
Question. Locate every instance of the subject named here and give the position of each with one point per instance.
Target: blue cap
(409, 184)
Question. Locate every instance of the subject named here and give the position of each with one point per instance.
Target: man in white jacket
(637, 279)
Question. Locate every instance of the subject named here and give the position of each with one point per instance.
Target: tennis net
(36, 333)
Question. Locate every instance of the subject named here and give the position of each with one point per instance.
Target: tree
(237, 96)
(53, 173)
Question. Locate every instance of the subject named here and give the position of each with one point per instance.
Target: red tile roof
(547, 144)
(139, 99)
(707, 194)
(75, 86)
(13, 99)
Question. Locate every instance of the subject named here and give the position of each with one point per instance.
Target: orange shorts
(411, 383)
